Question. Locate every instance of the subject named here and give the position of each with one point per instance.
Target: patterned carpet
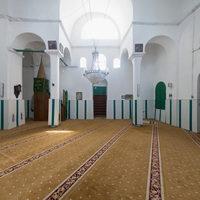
(99, 160)
(180, 164)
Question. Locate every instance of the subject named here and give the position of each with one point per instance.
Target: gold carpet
(180, 164)
(37, 179)
(120, 174)
(23, 142)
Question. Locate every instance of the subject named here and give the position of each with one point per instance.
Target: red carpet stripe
(155, 190)
(45, 152)
(195, 138)
(64, 187)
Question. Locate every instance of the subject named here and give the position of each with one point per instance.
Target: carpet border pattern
(64, 187)
(155, 189)
(195, 138)
(46, 152)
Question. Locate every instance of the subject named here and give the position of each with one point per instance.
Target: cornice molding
(154, 23)
(99, 47)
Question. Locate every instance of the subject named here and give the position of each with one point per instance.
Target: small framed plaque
(79, 96)
(139, 48)
(52, 44)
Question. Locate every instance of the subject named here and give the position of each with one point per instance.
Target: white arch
(22, 40)
(124, 56)
(84, 19)
(163, 40)
(159, 64)
(67, 56)
(120, 11)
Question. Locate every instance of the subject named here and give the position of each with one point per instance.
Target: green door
(160, 96)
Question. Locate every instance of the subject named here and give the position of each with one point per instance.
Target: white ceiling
(162, 11)
(120, 11)
(123, 12)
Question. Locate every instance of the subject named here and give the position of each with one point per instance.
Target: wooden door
(100, 105)
(100, 101)
(41, 106)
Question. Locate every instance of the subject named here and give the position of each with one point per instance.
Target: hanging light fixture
(95, 75)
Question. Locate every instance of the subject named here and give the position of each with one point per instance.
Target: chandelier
(95, 75)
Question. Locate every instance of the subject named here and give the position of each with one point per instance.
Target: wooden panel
(100, 105)
(41, 106)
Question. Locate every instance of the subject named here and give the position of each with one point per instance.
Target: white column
(137, 100)
(54, 101)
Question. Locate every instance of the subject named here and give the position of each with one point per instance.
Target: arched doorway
(35, 75)
(198, 104)
(160, 96)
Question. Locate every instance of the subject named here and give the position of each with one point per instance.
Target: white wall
(159, 64)
(180, 67)
(189, 62)
(3, 55)
(119, 80)
(34, 9)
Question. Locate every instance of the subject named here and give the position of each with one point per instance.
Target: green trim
(190, 104)
(53, 113)
(29, 51)
(66, 109)
(160, 116)
(28, 109)
(2, 114)
(122, 108)
(85, 108)
(136, 112)
(17, 113)
(77, 108)
(99, 90)
(130, 109)
(69, 109)
(114, 109)
(146, 109)
(170, 112)
(180, 114)
(60, 110)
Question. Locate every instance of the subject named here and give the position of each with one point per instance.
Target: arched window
(83, 62)
(102, 62)
(116, 63)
